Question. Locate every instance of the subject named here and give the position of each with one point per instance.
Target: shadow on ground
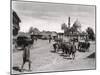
(16, 68)
(93, 55)
(52, 51)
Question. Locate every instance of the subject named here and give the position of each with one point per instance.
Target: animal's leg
(57, 48)
(29, 65)
(78, 48)
(73, 56)
(68, 53)
(54, 46)
(54, 49)
(63, 51)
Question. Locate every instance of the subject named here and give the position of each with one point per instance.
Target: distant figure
(73, 50)
(36, 38)
(50, 38)
(32, 37)
(26, 56)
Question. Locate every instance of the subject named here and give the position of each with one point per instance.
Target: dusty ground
(43, 60)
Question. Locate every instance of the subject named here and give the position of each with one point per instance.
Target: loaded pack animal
(83, 46)
(57, 47)
(67, 48)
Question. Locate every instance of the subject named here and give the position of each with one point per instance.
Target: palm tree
(63, 26)
(72, 29)
(76, 26)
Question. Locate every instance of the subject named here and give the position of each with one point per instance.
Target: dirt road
(43, 60)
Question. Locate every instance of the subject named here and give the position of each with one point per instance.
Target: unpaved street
(44, 60)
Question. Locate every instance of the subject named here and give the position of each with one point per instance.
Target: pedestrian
(26, 56)
(50, 38)
(73, 50)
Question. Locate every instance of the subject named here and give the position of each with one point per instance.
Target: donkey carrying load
(67, 48)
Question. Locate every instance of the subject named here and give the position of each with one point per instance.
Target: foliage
(74, 29)
(63, 26)
(33, 30)
(90, 33)
(76, 26)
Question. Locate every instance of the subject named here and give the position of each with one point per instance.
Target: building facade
(16, 21)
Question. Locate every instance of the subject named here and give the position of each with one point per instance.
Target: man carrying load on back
(26, 55)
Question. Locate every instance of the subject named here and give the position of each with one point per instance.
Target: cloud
(50, 16)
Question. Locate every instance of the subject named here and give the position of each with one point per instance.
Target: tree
(36, 31)
(72, 29)
(31, 29)
(76, 26)
(63, 26)
(90, 33)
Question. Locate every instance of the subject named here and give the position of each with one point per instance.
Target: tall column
(68, 22)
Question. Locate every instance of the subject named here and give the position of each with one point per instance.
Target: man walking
(50, 38)
(26, 56)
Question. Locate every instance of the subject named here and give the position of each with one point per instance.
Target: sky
(50, 16)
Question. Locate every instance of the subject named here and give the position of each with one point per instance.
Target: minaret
(68, 22)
